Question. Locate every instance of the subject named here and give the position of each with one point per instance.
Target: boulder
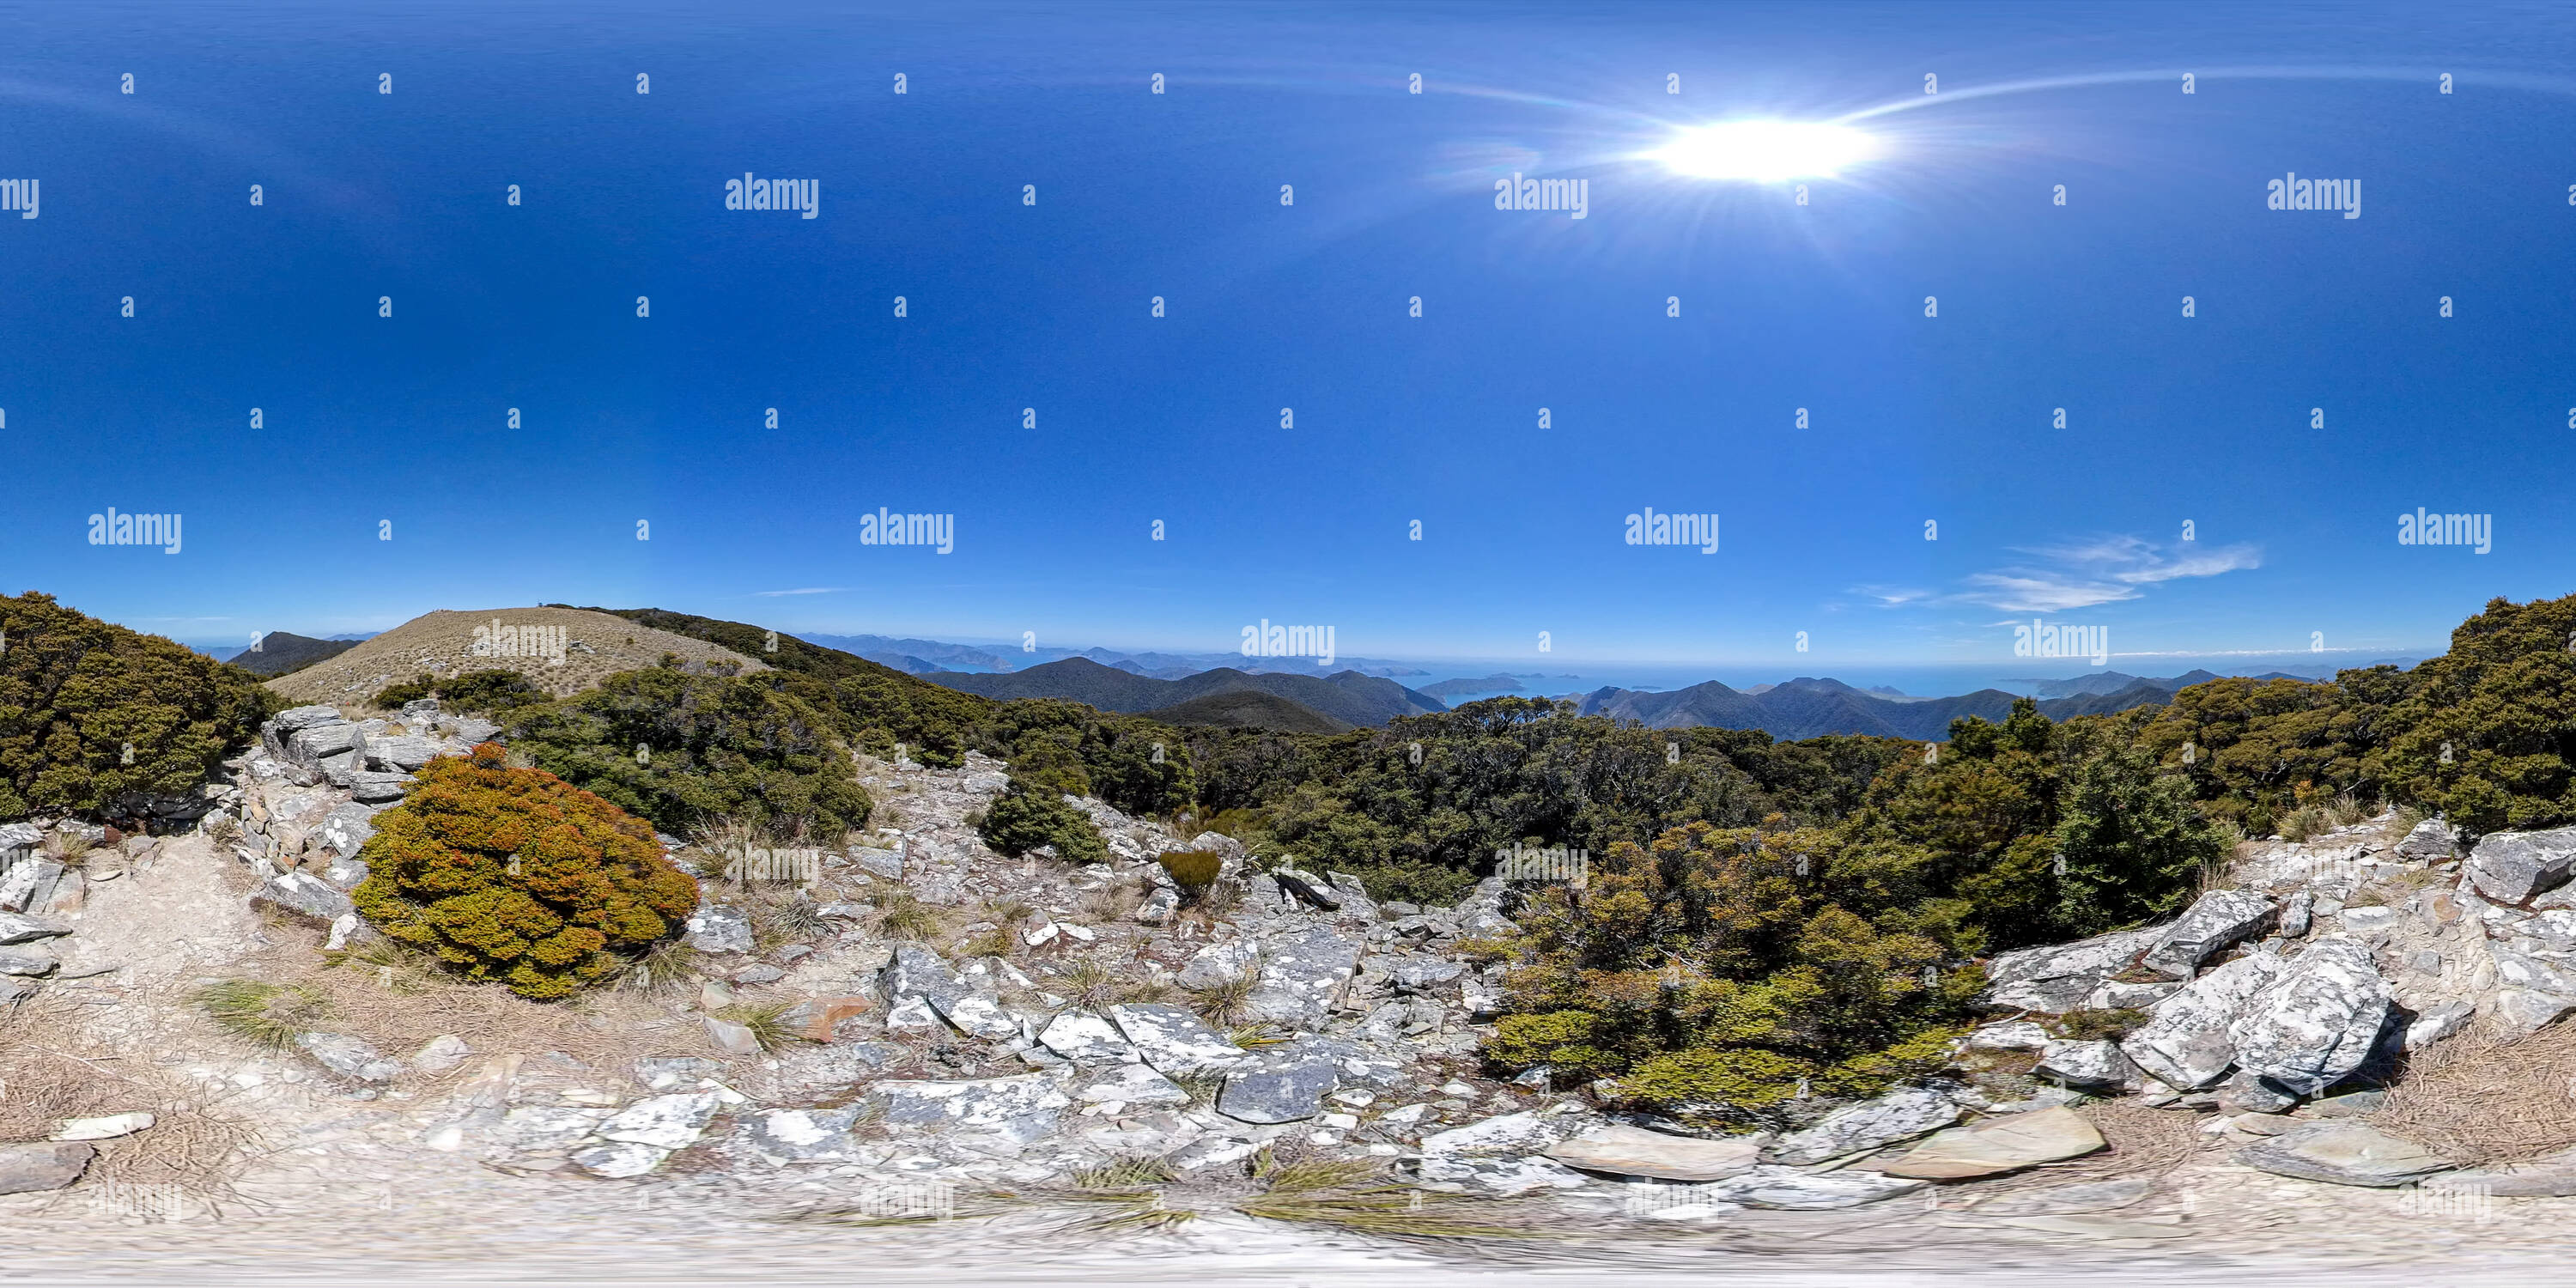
(2430, 842)
(402, 755)
(2058, 979)
(2185, 1042)
(373, 787)
(885, 864)
(2018, 1035)
(2214, 921)
(2086, 1065)
(720, 929)
(1158, 908)
(2316, 1022)
(1995, 1145)
(1900, 1114)
(667, 1123)
(49, 1165)
(1632, 1151)
(304, 896)
(2344, 1152)
(346, 830)
(1173, 1040)
(2297, 912)
(29, 962)
(1283, 1084)
(27, 884)
(2437, 1021)
(2511, 867)
(1220, 963)
(731, 1038)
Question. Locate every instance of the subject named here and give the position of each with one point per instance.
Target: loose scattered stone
(2214, 921)
(1173, 1040)
(1898, 1115)
(1280, 1085)
(2511, 867)
(348, 1056)
(26, 1169)
(719, 929)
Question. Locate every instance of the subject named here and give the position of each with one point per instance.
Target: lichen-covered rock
(2058, 978)
(2185, 1042)
(2511, 867)
(2214, 921)
(1898, 1115)
(1174, 1041)
(2317, 1022)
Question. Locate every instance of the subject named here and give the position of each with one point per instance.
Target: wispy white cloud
(808, 590)
(2104, 570)
(1893, 596)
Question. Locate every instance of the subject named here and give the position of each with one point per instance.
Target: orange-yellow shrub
(517, 876)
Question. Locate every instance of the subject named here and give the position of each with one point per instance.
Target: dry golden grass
(54, 1070)
(2139, 1142)
(447, 639)
(2479, 1099)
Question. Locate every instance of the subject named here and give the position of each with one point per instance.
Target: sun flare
(1767, 151)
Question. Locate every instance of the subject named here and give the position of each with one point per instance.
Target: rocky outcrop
(2511, 867)
(2214, 921)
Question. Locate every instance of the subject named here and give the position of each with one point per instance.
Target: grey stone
(1496, 1178)
(1173, 1040)
(2059, 978)
(402, 755)
(782, 1136)
(671, 1122)
(619, 1159)
(2511, 867)
(2344, 1153)
(1131, 1084)
(1520, 1133)
(1283, 1084)
(2185, 1042)
(2520, 1011)
(374, 787)
(48, 1165)
(1158, 908)
(347, 829)
(2214, 921)
(2003, 1144)
(1789, 1189)
(2550, 1177)
(2091, 1065)
(758, 973)
(545, 1129)
(887, 864)
(2431, 840)
(441, 1053)
(998, 1114)
(296, 718)
(350, 1057)
(311, 745)
(1302, 976)
(27, 884)
(304, 896)
(1220, 963)
(2316, 1022)
(2018, 1035)
(2297, 912)
(1898, 1115)
(2251, 1093)
(17, 929)
(1634, 1151)
(2369, 919)
(1418, 976)
(29, 962)
(718, 928)
(2114, 995)
(2436, 1022)
(731, 1038)
(1087, 1039)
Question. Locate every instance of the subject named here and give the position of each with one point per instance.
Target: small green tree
(1030, 815)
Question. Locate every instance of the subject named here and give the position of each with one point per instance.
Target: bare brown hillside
(595, 645)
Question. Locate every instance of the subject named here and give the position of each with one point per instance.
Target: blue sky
(369, 420)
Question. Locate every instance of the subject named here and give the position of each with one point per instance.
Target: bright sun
(1766, 151)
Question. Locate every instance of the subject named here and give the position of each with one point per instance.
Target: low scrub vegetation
(514, 875)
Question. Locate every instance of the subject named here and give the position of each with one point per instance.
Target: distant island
(1499, 682)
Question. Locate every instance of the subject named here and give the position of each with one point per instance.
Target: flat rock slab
(1130, 1084)
(1173, 1040)
(2541, 1178)
(783, 1136)
(2058, 978)
(25, 1169)
(2316, 1023)
(2344, 1153)
(1788, 1189)
(1087, 1039)
(1998, 1145)
(1016, 1110)
(1282, 1085)
(2214, 920)
(664, 1122)
(2185, 1042)
(1301, 977)
(18, 929)
(305, 896)
(1634, 1151)
(1898, 1115)
(1499, 1178)
(719, 929)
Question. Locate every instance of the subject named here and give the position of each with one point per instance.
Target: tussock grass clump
(903, 915)
(768, 1024)
(263, 1014)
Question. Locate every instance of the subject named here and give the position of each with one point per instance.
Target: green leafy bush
(714, 747)
(97, 719)
(1028, 816)
(496, 692)
(516, 876)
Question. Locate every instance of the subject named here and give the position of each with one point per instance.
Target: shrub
(715, 747)
(514, 875)
(1193, 871)
(1028, 816)
(77, 693)
(494, 692)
